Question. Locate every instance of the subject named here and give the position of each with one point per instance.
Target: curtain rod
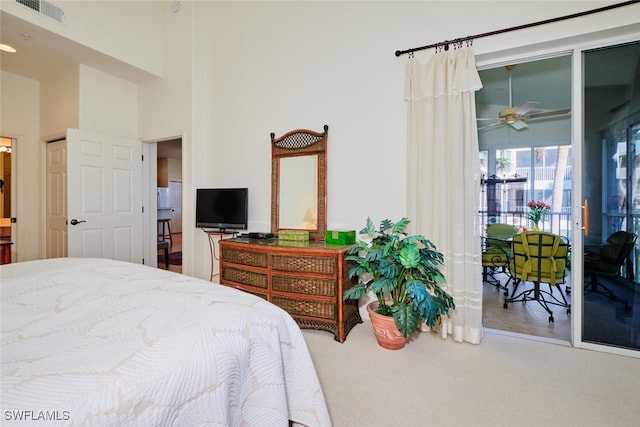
(446, 43)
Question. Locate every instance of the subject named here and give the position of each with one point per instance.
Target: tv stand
(212, 234)
(221, 231)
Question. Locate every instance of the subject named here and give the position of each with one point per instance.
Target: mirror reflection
(298, 193)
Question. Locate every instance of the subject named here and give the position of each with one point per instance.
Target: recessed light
(7, 48)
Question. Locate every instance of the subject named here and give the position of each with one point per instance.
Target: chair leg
(488, 276)
(166, 257)
(536, 294)
(596, 287)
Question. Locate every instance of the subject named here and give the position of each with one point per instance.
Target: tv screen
(222, 208)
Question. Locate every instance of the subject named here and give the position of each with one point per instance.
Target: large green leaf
(355, 292)
(401, 226)
(406, 318)
(409, 256)
(416, 290)
(383, 285)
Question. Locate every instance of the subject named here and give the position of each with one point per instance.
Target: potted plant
(403, 272)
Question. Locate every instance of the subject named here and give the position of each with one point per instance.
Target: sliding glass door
(611, 187)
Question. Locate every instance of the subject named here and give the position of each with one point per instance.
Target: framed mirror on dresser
(299, 182)
(306, 278)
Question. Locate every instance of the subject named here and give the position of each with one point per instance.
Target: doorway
(611, 183)
(168, 190)
(7, 243)
(524, 133)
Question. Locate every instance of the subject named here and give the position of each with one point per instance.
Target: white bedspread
(109, 343)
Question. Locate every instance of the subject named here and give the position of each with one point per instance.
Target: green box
(293, 235)
(340, 237)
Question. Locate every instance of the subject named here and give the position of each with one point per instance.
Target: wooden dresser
(306, 279)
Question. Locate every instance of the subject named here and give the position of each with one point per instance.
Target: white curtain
(444, 177)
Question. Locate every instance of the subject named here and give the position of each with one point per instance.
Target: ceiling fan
(516, 117)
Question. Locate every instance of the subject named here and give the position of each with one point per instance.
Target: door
(611, 178)
(104, 196)
(56, 226)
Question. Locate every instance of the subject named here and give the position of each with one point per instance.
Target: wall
(165, 112)
(59, 103)
(267, 67)
(233, 72)
(19, 118)
(108, 104)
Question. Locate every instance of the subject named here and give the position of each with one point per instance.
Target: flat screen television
(222, 208)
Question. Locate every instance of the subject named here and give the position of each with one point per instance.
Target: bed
(110, 343)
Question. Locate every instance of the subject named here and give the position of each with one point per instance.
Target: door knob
(75, 221)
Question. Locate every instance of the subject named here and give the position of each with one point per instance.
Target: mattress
(110, 343)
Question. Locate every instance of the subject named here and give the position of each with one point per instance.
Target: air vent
(46, 8)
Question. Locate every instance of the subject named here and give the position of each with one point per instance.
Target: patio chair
(607, 261)
(539, 257)
(495, 253)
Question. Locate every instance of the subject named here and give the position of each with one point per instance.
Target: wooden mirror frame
(300, 142)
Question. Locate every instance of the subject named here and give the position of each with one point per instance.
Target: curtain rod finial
(398, 53)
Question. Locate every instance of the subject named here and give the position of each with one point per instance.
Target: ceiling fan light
(7, 48)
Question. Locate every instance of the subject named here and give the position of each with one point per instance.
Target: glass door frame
(577, 203)
(580, 211)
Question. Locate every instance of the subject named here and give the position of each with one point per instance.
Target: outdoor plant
(537, 211)
(403, 272)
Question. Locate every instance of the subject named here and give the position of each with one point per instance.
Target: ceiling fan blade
(518, 125)
(525, 108)
(549, 113)
(490, 126)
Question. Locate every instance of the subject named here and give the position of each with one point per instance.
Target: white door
(105, 196)
(57, 199)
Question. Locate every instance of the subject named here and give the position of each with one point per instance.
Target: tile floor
(528, 318)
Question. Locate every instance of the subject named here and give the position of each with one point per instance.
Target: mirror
(298, 182)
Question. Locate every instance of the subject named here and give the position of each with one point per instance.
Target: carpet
(504, 381)
(175, 258)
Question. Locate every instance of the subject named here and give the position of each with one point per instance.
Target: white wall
(166, 112)
(59, 103)
(107, 104)
(233, 72)
(265, 67)
(19, 118)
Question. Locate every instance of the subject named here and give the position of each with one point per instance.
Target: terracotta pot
(385, 329)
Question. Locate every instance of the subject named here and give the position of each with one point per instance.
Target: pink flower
(538, 210)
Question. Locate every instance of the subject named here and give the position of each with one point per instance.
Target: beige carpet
(504, 381)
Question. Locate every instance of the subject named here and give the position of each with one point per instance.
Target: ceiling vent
(45, 8)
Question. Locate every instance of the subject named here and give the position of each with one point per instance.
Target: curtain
(443, 170)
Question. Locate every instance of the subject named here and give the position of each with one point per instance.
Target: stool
(163, 244)
(161, 236)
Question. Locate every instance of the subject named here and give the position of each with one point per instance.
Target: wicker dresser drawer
(304, 285)
(325, 310)
(237, 256)
(250, 278)
(304, 264)
(305, 280)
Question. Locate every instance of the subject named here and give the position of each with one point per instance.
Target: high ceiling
(43, 54)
